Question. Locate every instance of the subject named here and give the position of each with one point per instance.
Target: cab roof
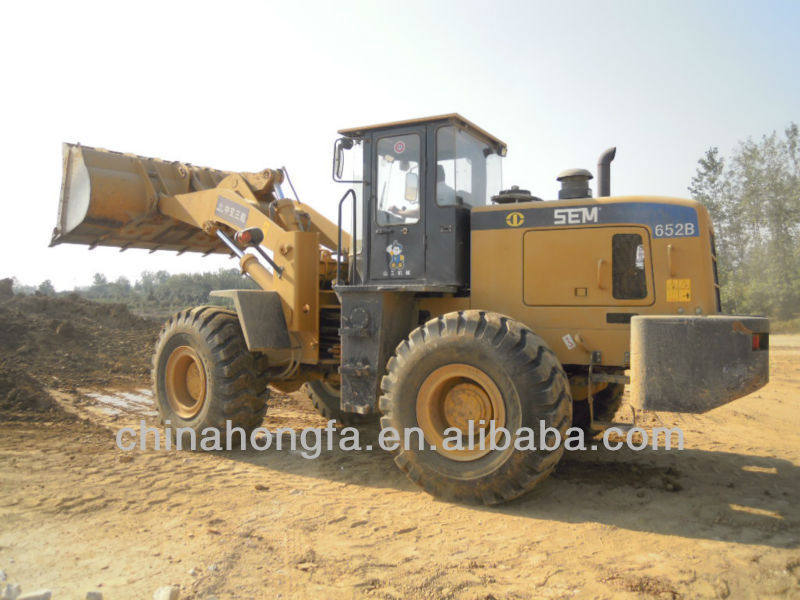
(454, 118)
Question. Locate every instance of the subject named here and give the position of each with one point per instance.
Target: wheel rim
(453, 395)
(186, 382)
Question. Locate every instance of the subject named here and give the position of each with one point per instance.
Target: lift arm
(130, 201)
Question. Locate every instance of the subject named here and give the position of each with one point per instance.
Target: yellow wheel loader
(438, 300)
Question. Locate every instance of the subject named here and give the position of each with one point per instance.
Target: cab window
(629, 281)
(398, 179)
(467, 169)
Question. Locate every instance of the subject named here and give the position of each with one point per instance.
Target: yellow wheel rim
(186, 382)
(452, 396)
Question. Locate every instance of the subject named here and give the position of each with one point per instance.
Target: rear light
(760, 341)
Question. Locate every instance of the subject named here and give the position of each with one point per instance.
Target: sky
(244, 85)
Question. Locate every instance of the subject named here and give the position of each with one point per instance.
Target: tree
(120, 290)
(46, 288)
(754, 201)
(162, 293)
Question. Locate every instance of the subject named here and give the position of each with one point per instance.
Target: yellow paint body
(557, 279)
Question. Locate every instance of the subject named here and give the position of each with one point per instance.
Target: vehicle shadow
(691, 493)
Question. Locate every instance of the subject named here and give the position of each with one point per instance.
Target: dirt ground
(719, 519)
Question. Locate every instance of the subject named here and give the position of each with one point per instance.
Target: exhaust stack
(604, 172)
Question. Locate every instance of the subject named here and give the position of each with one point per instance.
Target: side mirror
(339, 147)
(412, 187)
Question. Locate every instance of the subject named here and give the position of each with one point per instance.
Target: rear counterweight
(695, 364)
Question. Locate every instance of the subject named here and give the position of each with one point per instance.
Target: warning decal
(679, 290)
(568, 341)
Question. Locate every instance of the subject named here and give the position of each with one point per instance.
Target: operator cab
(420, 180)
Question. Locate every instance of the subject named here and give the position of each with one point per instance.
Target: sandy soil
(719, 519)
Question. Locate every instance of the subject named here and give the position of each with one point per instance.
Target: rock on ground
(37, 595)
(11, 592)
(167, 592)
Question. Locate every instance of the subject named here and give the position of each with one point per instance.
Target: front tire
(475, 366)
(204, 375)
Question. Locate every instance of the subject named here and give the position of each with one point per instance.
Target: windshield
(468, 171)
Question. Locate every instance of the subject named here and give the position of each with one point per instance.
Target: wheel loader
(438, 300)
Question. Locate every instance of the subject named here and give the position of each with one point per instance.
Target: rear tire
(204, 375)
(475, 365)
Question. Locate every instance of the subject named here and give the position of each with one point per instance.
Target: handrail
(353, 235)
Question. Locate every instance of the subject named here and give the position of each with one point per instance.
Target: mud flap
(261, 318)
(695, 364)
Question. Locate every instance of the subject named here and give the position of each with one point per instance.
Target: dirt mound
(21, 392)
(67, 341)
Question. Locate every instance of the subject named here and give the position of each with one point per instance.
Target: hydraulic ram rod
(249, 263)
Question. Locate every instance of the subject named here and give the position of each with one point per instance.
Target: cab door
(397, 215)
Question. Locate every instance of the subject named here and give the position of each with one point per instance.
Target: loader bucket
(111, 199)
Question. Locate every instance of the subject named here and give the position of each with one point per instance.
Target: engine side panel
(558, 268)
